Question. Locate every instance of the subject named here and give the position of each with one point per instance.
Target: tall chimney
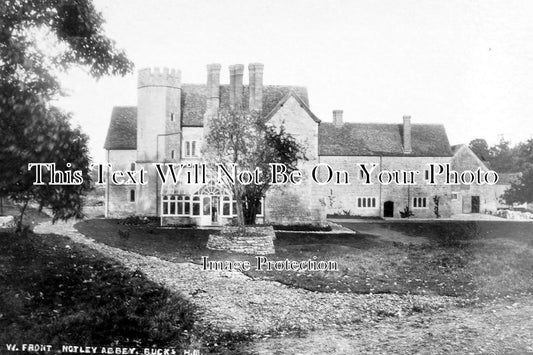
(236, 72)
(256, 86)
(213, 89)
(337, 118)
(407, 134)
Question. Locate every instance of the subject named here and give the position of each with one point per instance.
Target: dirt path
(337, 323)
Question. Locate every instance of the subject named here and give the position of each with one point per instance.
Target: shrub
(406, 213)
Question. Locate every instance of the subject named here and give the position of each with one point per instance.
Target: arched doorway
(388, 209)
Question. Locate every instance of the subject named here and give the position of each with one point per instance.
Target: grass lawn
(56, 292)
(453, 258)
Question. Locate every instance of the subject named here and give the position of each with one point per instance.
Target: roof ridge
(387, 123)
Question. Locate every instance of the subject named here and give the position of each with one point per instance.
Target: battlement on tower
(157, 77)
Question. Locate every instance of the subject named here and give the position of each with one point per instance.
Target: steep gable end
(284, 100)
(464, 158)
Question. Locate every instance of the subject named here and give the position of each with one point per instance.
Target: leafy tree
(243, 138)
(67, 148)
(503, 157)
(524, 152)
(522, 190)
(37, 39)
(480, 147)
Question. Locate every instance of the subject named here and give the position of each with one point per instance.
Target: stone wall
(489, 195)
(297, 204)
(117, 197)
(343, 198)
(255, 240)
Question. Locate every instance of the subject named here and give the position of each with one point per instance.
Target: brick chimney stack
(407, 134)
(337, 118)
(236, 72)
(255, 79)
(213, 88)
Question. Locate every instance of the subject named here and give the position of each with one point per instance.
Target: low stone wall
(255, 240)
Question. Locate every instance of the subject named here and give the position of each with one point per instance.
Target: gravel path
(332, 323)
(231, 301)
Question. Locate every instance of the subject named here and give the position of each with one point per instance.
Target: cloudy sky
(466, 64)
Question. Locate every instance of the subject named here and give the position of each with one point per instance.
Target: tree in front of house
(37, 40)
(242, 138)
(521, 190)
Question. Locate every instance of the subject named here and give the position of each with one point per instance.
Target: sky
(465, 64)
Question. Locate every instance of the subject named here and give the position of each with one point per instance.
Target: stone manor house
(167, 125)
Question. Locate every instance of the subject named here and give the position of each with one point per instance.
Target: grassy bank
(56, 292)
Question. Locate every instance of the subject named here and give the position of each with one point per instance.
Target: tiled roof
(194, 96)
(374, 139)
(122, 131)
(363, 139)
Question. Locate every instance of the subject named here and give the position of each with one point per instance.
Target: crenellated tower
(158, 129)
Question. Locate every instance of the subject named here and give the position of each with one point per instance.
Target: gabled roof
(375, 139)
(194, 100)
(458, 148)
(301, 102)
(122, 131)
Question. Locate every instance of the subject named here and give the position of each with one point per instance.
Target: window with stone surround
(191, 148)
(366, 202)
(419, 202)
